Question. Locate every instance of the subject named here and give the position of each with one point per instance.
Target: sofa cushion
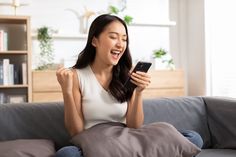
(27, 148)
(156, 139)
(185, 113)
(221, 118)
(217, 153)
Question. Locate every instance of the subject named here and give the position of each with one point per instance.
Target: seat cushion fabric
(217, 153)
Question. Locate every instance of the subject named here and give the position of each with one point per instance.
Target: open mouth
(115, 53)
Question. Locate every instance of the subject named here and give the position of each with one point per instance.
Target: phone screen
(140, 66)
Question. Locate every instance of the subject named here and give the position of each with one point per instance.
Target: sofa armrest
(221, 118)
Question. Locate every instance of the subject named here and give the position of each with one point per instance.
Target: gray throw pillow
(27, 148)
(116, 140)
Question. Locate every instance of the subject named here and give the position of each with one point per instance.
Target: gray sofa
(212, 117)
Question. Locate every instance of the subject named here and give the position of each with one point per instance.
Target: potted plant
(114, 10)
(44, 36)
(163, 59)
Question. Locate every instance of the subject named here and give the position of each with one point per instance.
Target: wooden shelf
(8, 19)
(14, 86)
(84, 36)
(14, 52)
(17, 57)
(161, 24)
(65, 37)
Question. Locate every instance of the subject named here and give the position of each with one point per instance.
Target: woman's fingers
(141, 79)
(65, 78)
(63, 72)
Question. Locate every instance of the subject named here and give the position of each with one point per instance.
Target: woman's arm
(135, 115)
(73, 116)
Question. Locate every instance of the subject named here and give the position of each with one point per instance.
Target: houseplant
(163, 59)
(44, 36)
(114, 10)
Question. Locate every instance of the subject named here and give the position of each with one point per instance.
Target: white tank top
(98, 106)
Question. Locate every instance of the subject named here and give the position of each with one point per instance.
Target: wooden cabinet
(45, 86)
(164, 83)
(15, 59)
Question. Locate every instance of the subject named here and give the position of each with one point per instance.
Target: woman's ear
(94, 41)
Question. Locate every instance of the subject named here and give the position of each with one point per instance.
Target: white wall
(53, 13)
(188, 42)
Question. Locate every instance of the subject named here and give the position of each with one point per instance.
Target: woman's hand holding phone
(139, 77)
(141, 80)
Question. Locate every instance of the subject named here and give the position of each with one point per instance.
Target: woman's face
(111, 43)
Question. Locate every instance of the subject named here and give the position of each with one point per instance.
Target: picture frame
(16, 98)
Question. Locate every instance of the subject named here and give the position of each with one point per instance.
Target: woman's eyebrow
(124, 35)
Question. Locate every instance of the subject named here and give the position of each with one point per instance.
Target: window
(221, 47)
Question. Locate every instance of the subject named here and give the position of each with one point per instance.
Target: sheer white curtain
(220, 22)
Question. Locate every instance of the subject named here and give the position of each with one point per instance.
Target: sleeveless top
(98, 105)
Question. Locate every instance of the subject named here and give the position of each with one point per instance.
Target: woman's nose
(119, 43)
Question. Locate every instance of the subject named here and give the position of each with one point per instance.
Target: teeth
(116, 52)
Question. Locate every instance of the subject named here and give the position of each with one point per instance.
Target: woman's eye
(112, 37)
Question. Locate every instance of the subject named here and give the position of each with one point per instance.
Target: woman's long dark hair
(121, 70)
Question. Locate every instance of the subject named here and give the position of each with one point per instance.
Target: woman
(93, 89)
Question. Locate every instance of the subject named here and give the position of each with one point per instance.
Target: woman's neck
(103, 74)
(101, 69)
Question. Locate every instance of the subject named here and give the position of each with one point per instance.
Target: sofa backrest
(46, 120)
(221, 118)
(185, 113)
(33, 121)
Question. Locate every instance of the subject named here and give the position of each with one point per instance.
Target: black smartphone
(140, 66)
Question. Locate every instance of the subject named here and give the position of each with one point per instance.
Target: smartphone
(140, 66)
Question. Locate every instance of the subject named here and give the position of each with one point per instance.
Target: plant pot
(159, 65)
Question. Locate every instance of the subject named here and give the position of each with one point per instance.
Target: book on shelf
(24, 73)
(17, 75)
(6, 63)
(1, 72)
(11, 74)
(12, 98)
(3, 40)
